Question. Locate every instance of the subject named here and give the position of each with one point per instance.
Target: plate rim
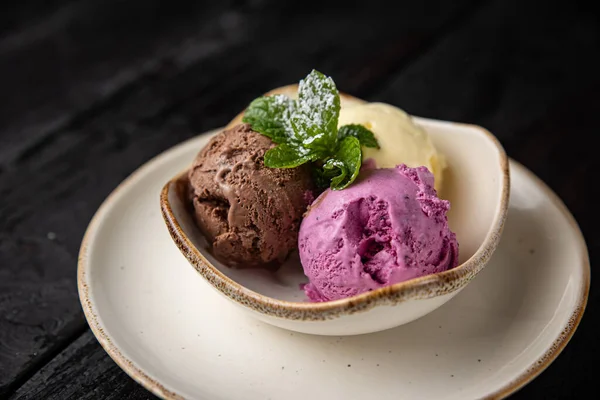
(151, 384)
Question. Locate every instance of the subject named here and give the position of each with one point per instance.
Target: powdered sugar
(280, 100)
(318, 106)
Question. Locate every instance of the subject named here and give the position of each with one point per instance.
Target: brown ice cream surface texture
(250, 213)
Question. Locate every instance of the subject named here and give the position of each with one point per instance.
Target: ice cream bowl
(476, 182)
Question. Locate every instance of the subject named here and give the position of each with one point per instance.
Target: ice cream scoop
(388, 227)
(250, 214)
(401, 141)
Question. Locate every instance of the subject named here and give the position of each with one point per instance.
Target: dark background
(90, 90)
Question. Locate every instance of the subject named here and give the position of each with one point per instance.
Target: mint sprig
(306, 131)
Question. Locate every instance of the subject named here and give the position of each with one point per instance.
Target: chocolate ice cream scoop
(250, 213)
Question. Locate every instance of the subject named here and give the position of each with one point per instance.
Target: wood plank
(52, 184)
(69, 376)
(87, 52)
(18, 15)
(532, 86)
(81, 73)
(504, 68)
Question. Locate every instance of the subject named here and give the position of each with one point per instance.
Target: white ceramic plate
(174, 334)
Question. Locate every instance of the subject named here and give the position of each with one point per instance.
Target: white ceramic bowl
(477, 184)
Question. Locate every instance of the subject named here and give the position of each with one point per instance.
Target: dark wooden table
(90, 90)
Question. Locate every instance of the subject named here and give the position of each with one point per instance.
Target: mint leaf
(322, 177)
(364, 135)
(270, 115)
(285, 156)
(306, 131)
(315, 120)
(337, 172)
(347, 161)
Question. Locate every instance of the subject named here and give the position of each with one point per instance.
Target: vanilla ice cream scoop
(401, 141)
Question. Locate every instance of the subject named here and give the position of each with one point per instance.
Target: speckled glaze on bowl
(476, 182)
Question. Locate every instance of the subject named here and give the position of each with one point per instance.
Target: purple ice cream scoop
(387, 227)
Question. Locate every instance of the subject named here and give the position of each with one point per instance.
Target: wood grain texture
(53, 176)
(69, 377)
(18, 16)
(527, 73)
(94, 52)
(87, 52)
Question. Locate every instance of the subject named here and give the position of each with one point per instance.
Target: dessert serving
(322, 213)
(353, 188)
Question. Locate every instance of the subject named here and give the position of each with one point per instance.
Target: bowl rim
(418, 288)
